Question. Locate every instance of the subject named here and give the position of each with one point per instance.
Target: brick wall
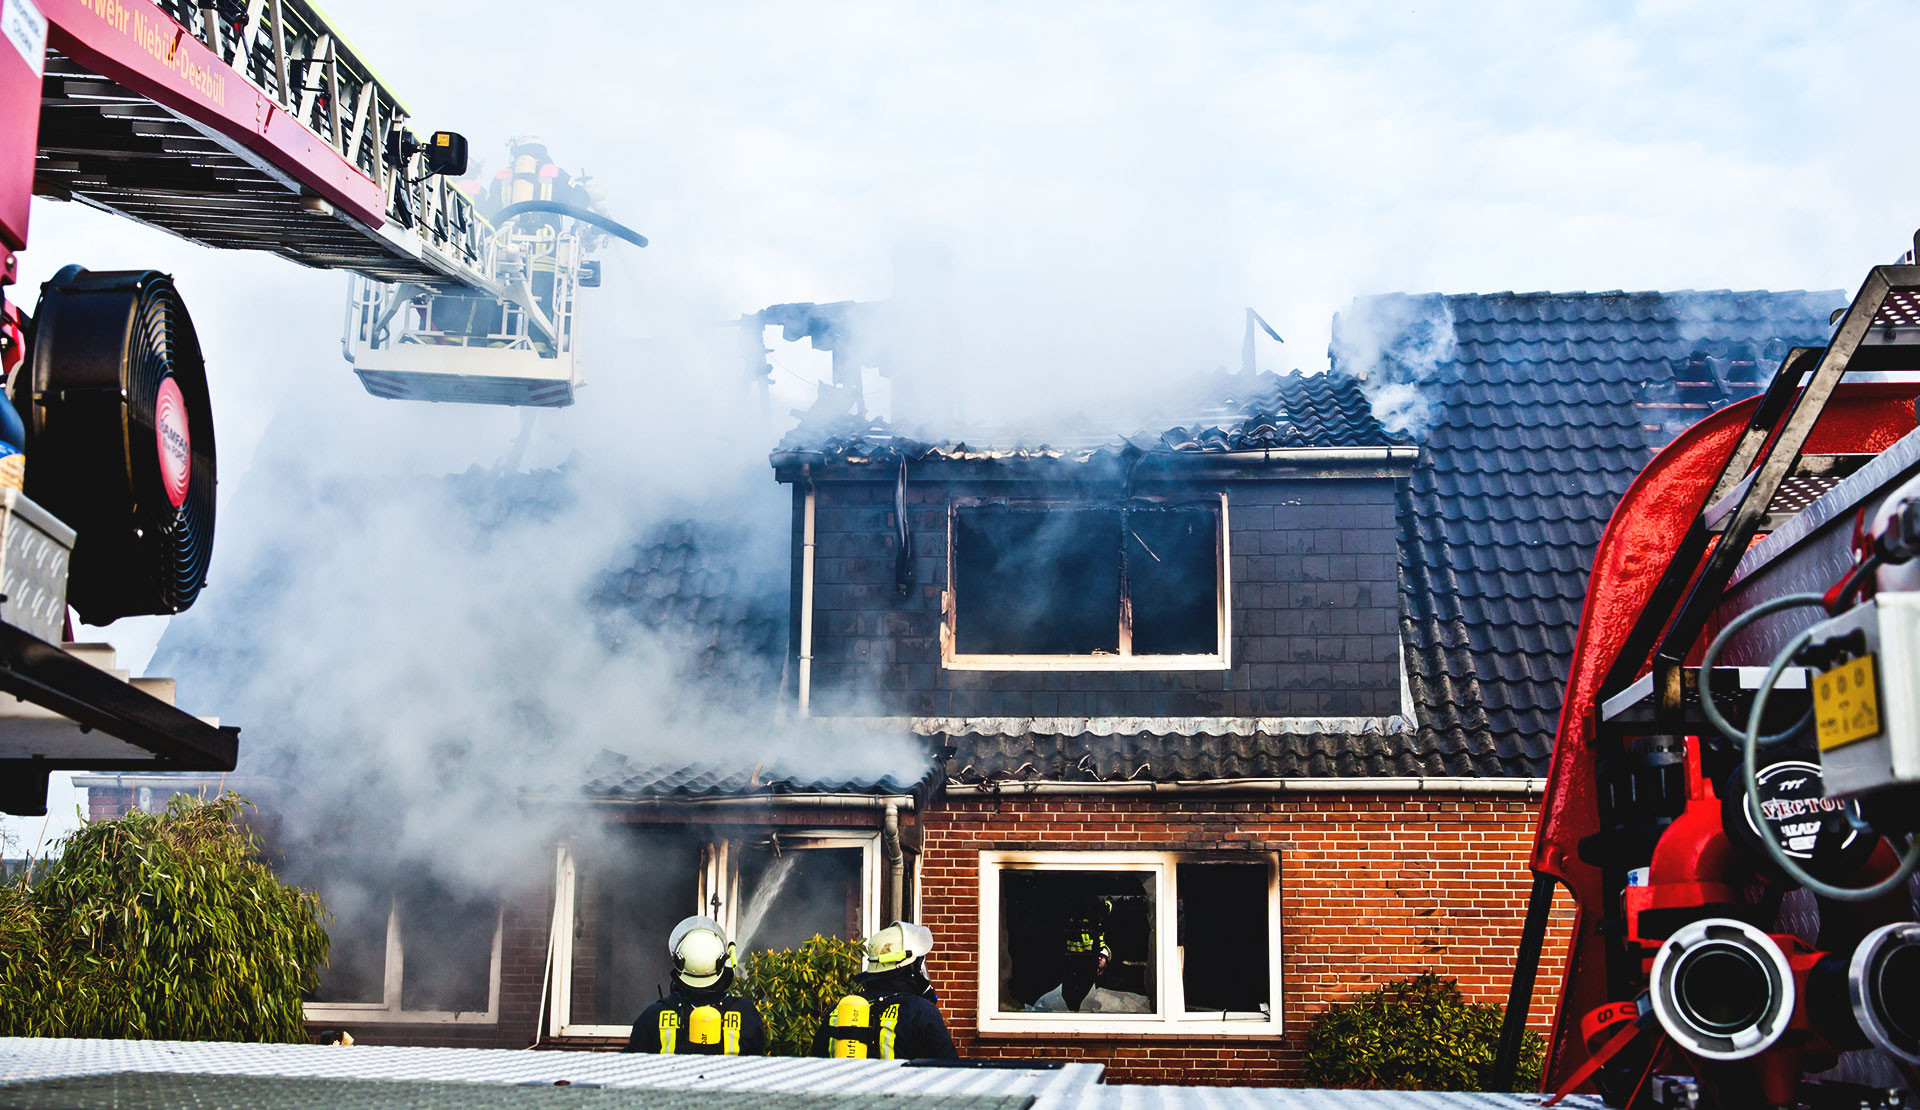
(1372, 888)
(1313, 584)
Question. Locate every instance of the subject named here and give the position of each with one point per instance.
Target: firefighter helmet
(701, 953)
(898, 945)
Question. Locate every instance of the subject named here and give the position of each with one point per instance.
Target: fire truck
(1735, 789)
(244, 124)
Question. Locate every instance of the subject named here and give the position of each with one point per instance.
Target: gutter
(1460, 785)
(896, 862)
(806, 598)
(875, 802)
(1407, 454)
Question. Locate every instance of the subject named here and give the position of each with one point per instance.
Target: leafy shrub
(159, 926)
(796, 987)
(1416, 1034)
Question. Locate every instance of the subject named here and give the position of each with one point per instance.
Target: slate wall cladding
(1313, 587)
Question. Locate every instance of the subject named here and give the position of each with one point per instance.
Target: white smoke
(1398, 345)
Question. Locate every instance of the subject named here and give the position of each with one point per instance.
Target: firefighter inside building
(698, 1017)
(892, 1013)
(1084, 968)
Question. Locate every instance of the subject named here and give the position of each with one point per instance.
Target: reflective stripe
(730, 1034)
(889, 1018)
(669, 1032)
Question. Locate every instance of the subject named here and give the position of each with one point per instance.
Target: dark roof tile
(1535, 433)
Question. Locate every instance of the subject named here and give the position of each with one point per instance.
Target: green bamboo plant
(166, 926)
(796, 987)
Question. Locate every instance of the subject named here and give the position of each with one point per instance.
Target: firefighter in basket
(892, 1013)
(698, 1017)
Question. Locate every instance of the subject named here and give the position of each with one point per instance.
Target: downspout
(896, 863)
(806, 596)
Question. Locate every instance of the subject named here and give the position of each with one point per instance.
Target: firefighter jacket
(891, 1015)
(690, 1021)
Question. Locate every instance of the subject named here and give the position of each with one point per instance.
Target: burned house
(1253, 709)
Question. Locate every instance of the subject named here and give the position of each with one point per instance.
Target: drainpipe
(806, 597)
(896, 862)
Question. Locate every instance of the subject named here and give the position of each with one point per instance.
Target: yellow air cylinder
(703, 1025)
(853, 1012)
(525, 180)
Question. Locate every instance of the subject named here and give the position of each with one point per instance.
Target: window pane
(356, 967)
(1077, 941)
(446, 942)
(1172, 574)
(628, 894)
(1223, 936)
(800, 894)
(1036, 582)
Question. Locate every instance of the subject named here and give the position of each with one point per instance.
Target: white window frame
(1219, 660)
(1171, 1018)
(719, 870)
(388, 1011)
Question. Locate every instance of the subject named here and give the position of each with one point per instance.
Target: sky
(1112, 182)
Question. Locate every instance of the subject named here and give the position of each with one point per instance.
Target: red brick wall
(1372, 888)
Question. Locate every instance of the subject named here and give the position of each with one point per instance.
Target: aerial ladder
(1734, 797)
(241, 124)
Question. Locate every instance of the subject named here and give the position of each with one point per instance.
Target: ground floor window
(404, 946)
(618, 896)
(1113, 942)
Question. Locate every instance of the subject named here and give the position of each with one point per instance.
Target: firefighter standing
(698, 1017)
(893, 1013)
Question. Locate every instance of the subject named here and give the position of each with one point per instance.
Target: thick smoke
(414, 641)
(1396, 345)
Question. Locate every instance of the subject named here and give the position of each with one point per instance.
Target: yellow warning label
(1846, 704)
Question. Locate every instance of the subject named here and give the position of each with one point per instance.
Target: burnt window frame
(717, 877)
(389, 1011)
(1170, 1017)
(1124, 659)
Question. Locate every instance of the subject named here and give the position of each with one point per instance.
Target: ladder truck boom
(239, 124)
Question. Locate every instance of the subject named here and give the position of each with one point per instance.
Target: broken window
(1222, 907)
(629, 891)
(619, 896)
(1139, 580)
(404, 945)
(798, 894)
(1128, 941)
(1077, 941)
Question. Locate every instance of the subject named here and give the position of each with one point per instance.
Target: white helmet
(898, 945)
(701, 954)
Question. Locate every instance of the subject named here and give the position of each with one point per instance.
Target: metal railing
(290, 52)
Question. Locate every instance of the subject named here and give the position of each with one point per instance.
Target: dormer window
(1134, 584)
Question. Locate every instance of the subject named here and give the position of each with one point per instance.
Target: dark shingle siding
(1535, 436)
(1313, 614)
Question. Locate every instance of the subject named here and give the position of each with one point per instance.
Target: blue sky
(1113, 181)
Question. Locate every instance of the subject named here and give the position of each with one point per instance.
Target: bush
(796, 987)
(1416, 1034)
(159, 926)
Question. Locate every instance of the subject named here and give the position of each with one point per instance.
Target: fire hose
(612, 227)
(1752, 739)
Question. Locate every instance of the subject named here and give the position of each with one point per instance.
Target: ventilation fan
(120, 439)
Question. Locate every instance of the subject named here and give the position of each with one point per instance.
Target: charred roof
(1230, 413)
